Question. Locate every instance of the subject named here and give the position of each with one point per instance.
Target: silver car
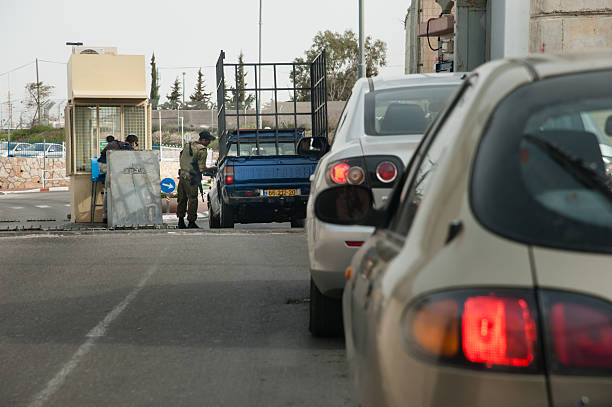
(488, 280)
(381, 125)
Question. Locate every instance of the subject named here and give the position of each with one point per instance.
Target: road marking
(96, 332)
(42, 206)
(68, 205)
(16, 207)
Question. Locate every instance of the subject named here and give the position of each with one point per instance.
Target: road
(45, 209)
(162, 318)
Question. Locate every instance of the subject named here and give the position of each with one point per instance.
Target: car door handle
(454, 229)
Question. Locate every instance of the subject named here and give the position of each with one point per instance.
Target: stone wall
(568, 26)
(26, 173)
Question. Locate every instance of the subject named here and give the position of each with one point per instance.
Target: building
(467, 33)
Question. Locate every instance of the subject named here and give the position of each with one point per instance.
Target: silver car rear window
(406, 110)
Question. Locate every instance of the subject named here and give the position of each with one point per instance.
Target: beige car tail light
(494, 330)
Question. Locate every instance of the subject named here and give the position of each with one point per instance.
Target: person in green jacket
(192, 165)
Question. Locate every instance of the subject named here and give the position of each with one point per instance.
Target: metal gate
(317, 91)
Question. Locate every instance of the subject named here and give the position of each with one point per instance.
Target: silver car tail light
(386, 172)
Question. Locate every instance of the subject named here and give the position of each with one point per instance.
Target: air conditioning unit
(94, 50)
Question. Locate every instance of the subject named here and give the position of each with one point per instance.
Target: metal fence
(32, 150)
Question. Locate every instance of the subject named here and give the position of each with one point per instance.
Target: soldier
(193, 164)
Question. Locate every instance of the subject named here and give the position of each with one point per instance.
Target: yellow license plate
(280, 192)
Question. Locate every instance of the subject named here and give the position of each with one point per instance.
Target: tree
(37, 96)
(154, 96)
(174, 96)
(342, 51)
(200, 100)
(240, 96)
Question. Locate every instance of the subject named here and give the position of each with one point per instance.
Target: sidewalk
(25, 191)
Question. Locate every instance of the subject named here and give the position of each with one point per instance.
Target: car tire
(226, 216)
(297, 223)
(213, 221)
(325, 314)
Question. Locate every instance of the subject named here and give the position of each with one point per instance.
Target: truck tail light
(228, 174)
(580, 329)
(386, 172)
(495, 330)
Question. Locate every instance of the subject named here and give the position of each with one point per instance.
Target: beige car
(488, 281)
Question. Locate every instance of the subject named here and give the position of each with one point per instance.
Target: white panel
(509, 28)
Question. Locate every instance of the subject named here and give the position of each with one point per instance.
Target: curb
(25, 191)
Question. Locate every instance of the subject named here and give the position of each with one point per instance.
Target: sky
(184, 35)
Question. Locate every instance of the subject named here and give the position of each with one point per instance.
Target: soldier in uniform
(193, 164)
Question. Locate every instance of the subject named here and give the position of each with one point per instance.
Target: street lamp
(258, 107)
(361, 72)
(183, 90)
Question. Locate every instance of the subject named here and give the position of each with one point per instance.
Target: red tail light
(354, 243)
(228, 174)
(498, 331)
(338, 173)
(386, 171)
(472, 328)
(581, 332)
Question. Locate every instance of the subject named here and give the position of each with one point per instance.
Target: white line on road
(97, 332)
(16, 207)
(42, 206)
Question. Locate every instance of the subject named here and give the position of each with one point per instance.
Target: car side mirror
(314, 147)
(348, 205)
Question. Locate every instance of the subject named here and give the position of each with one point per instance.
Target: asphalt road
(162, 318)
(45, 209)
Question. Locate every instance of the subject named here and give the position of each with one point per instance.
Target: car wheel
(213, 221)
(297, 223)
(226, 216)
(325, 314)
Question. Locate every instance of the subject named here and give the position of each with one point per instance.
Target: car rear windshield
(404, 110)
(249, 148)
(541, 174)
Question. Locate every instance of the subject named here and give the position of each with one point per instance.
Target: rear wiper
(582, 172)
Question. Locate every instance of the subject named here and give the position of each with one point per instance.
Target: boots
(192, 225)
(181, 223)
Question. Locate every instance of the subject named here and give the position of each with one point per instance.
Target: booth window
(110, 124)
(85, 128)
(134, 123)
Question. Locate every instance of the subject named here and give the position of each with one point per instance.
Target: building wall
(422, 58)
(568, 26)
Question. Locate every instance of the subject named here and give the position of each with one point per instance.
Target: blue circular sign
(168, 185)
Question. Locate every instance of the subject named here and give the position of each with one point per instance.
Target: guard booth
(107, 96)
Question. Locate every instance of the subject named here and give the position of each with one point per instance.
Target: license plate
(280, 192)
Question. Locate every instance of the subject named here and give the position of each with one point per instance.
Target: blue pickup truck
(261, 177)
(261, 181)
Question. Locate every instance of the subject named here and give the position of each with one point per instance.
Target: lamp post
(183, 90)
(361, 72)
(258, 107)
(182, 135)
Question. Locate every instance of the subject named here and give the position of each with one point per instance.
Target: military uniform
(193, 163)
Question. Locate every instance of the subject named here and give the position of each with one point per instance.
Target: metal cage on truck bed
(318, 101)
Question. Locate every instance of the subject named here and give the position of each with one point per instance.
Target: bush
(36, 134)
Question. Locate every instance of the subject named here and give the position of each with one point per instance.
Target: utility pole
(183, 90)
(10, 113)
(361, 71)
(258, 107)
(38, 92)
